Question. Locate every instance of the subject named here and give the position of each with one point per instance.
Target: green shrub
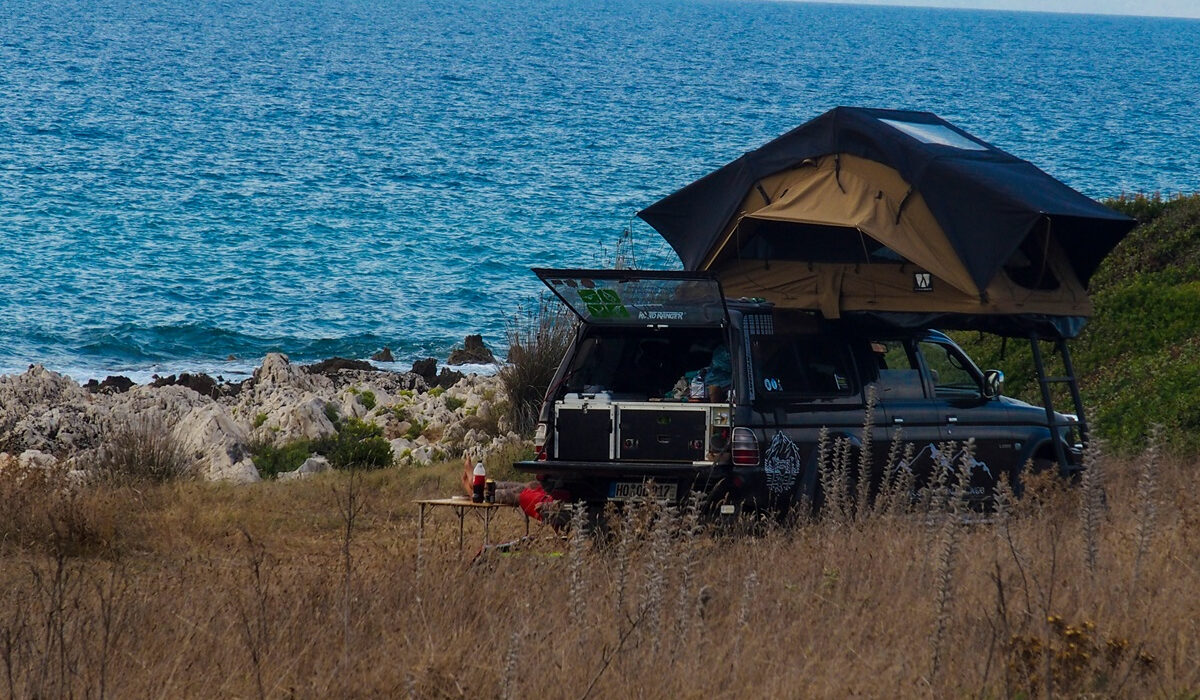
(331, 412)
(437, 391)
(1138, 359)
(1166, 245)
(271, 461)
(1145, 208)
(358, 445)
(454, 403)
(368, 399)
(537, 341)
(416, 429)
(259, 420)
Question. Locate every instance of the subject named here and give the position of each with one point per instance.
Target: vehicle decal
(940, 458)
(782, 464)
(603, 303)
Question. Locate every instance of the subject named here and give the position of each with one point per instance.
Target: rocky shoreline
(47, 420)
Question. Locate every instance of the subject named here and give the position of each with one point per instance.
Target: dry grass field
(320, 588)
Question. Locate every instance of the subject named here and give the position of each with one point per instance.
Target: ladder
(1048, 400)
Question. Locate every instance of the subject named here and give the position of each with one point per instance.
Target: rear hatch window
(639, 297)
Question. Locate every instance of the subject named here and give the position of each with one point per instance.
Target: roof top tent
(901, 218)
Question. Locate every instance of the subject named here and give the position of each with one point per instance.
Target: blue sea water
(184, 181)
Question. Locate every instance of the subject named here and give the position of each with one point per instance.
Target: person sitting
(529, 496)
(718, 376)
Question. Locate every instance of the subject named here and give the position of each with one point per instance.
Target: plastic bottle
(477, 483)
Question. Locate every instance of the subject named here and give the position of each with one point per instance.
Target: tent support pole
(1044, 381)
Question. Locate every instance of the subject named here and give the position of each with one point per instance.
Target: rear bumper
(647, 470)
(590, 481)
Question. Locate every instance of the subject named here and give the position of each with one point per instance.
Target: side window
(891, 354)
(792, 366)
(952, 377)
(899, 374)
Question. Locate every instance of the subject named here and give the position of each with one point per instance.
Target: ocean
(182, 183)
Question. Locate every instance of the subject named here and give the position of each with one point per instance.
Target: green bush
(368, 399)
(454, 403)
(358, 445)
(271, 461)
(1138, 359)
(416, 429)
(499, 464)
(1141, 206)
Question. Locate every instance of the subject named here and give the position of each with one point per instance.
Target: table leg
(462, 513)
(487, 526)
(421, 520)
(526, 523)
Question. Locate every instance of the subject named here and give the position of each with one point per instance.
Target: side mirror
(993, 383)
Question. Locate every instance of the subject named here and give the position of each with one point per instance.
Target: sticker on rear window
(603, 303)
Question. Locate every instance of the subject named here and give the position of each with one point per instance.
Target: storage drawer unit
(662, 432)
(583, 431)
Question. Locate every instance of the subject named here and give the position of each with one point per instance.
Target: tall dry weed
(815, 610)
(1091, 503)
(538, 339)
(140, 450)
(1146, 508)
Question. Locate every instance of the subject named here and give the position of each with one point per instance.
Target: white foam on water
(232, 371)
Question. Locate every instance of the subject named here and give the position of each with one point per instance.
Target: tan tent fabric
(836, 288)
(854, 193)
(858, 193)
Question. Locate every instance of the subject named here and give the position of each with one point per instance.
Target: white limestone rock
(36, 459)
(216, 443)
(313, 465)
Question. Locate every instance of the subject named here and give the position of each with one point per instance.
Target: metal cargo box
(583, 430)
(662, 432)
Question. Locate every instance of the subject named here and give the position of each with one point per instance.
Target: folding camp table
(460, 507)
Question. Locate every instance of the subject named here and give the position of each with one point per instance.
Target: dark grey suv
(671, 387)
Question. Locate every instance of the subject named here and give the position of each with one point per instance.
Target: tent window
(775, 240)
(1028, 266)
(936, 134)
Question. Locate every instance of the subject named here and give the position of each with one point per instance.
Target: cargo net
(782, 464)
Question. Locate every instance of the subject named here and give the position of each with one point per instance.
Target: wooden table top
(463, 502)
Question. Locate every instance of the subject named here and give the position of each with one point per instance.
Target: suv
(669, 386)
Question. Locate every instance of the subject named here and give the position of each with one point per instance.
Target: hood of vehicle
(1019, 405)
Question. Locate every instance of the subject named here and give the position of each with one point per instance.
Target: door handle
(951, 419)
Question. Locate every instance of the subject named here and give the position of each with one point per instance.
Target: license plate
(627, 490)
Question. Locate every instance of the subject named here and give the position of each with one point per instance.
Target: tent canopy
(900, 215)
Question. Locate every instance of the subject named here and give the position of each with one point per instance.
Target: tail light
(539, 441)
(745, 448)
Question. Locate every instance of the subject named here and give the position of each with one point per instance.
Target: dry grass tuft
(142, 450)
(537, 340)
(319, 588)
